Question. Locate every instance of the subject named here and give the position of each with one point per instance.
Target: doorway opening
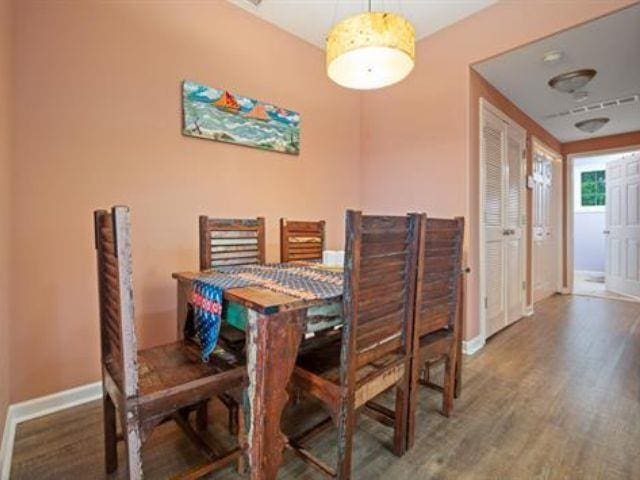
(606, 222)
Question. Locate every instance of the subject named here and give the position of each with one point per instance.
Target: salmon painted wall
(416, 136)
(5, 202)
(98, 121)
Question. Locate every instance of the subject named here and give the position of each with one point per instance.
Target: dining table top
(266, 300)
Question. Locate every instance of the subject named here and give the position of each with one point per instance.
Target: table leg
(272, 348)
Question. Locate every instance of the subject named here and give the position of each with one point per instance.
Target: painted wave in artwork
(223, 116)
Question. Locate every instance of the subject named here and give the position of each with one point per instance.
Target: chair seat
(175, 368)
(371, 379)
(436, 343)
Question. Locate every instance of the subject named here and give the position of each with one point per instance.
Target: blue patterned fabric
(207, 305)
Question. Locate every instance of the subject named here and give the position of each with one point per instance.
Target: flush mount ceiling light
(592, 125)
(370, 50)
(553, 56)
(571, 81)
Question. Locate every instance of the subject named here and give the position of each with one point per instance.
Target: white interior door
(493, 157)
(513, 223)
(623, 225)
(502, 147)
(544, 231)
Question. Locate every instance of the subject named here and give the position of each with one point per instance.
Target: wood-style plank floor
(555, 396)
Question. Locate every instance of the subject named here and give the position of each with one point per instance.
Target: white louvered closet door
(493, 158)
(502, 147)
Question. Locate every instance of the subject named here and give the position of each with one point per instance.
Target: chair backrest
(301, 240)
(439, 274)
(380, 275)
(231, 241)
(117, 332)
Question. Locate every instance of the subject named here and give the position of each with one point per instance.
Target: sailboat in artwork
(258, 112)
(227, 102)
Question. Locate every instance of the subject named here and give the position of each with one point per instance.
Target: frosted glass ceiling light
(571, 81)
(592, 125)
(370, 50)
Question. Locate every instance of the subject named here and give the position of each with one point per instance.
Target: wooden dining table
(276, 324)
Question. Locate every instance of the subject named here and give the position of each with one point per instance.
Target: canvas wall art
(220, 115)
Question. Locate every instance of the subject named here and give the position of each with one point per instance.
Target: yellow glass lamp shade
(370, 50)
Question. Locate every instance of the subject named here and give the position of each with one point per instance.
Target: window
(592, 188)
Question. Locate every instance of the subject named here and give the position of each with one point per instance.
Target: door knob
(606, 232)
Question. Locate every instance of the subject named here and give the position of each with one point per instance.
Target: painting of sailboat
(218, 114)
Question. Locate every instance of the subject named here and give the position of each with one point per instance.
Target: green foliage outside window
(592, 188)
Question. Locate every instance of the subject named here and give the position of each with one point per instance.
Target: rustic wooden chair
(231, 241)
(144, 388)
(438, 309)
(301, 240)
(374, 352)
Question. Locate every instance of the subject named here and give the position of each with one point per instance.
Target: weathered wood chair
(144, 388)
(374, 352)
(301, 240)
(231, 241)
(438, 310)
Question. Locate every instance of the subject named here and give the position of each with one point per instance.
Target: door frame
(569, 241)
(484, 103)
(556, 159)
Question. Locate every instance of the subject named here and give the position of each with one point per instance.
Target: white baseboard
(469, 347)
(528, 310)
(38, 407)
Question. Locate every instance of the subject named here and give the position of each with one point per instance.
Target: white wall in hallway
(588, 241)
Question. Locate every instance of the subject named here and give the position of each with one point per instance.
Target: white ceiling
(611, 45)
(312, 19)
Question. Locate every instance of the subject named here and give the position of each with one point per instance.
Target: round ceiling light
(571, 81)
(370, 50)
(592, 125)
(553, 56)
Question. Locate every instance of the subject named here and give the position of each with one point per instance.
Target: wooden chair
(231, 242)
(374, 352)
(227, 242)
(301, 240)
(144, 388)
(438, 309)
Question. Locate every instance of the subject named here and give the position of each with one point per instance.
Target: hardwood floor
(555, 396)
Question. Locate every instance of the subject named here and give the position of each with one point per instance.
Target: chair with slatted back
(374, 352)
(231, 241)
(144, 388)
(226, 242)
(301, 240)
(438, 310)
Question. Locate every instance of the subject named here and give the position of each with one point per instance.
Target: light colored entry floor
(554, 396)
(593, 285)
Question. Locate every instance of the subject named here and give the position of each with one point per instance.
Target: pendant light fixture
(370, 50)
